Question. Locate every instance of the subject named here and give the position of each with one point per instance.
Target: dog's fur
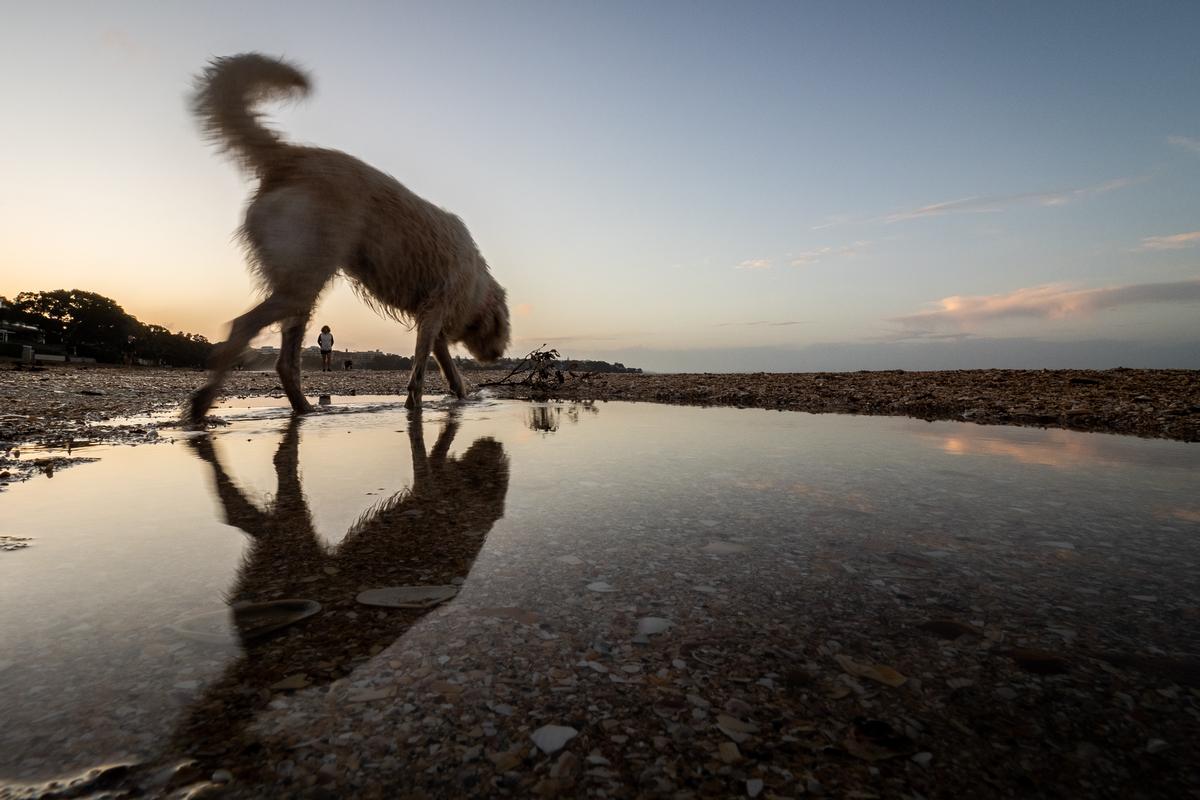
(318, 211)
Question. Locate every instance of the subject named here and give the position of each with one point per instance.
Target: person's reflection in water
(546, 418)
(426, 535)
(543, 419)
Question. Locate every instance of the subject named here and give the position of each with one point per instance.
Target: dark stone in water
(1184, 670)
(948, 628)
(1041, 662)
(253, 621)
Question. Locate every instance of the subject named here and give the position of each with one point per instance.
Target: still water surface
(115, 626)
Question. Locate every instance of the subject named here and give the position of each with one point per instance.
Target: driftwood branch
(506, 380)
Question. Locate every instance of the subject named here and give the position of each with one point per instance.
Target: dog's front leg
(441, 351)
(427, 331)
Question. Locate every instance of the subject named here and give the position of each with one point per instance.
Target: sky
(684, 186)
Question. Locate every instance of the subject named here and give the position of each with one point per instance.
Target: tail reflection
(427, 534)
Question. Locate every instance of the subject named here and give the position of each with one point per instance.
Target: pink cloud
(1176, 241)
(1052, 301)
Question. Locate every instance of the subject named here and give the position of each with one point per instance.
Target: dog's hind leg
(288, 364)
(441, 351)
(226, 354)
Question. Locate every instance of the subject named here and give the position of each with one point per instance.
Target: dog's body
(319, 211)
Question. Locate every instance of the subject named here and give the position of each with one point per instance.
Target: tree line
(89, 325)
(83, 324)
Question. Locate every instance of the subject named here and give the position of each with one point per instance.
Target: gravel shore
(62, 404)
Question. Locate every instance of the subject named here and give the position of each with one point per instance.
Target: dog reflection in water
(428, 534)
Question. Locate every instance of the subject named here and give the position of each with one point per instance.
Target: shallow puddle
(639, 574)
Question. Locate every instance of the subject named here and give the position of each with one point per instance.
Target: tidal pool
(705, 598)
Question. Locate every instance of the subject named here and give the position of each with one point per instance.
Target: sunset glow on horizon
(677, 186)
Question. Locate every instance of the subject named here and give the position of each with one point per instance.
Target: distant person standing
(325, 342)
(129, 351)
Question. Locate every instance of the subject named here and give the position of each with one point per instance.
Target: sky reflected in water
(129, 555)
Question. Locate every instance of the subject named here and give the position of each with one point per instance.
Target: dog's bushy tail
(225, 98)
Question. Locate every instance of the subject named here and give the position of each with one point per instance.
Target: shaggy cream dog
(318, 211)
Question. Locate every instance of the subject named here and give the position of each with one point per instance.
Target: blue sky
(781, 186)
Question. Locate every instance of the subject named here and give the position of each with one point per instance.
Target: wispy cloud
(1186, 142)
(754, 263)
(809, 257)
(994, 203)
(1176, 241)
(765, 322)
(831, 221)
(1052, 301)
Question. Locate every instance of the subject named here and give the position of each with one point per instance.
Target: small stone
(407, 596)
(1156, 746)
(291, 683)
(222, 776)
(880, 673)
(923, 758)
(651, 626)
(735, 728)
(600, 586)
(729, 752)
(1040, 662)
(566, 767)
(551, 738)
(754, 786)
(505, 761)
